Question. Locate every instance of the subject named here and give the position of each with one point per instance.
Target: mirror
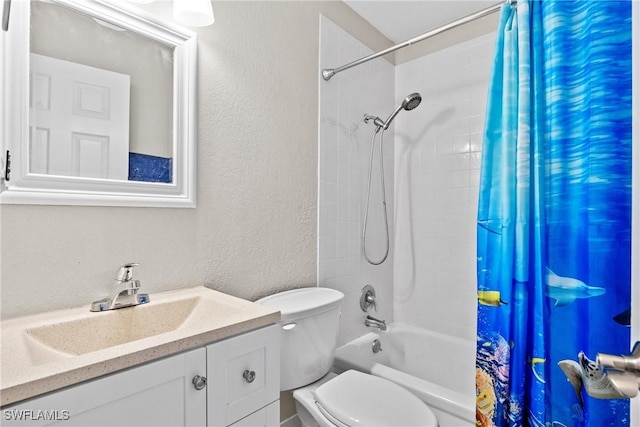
(101, 103)
(106, 100)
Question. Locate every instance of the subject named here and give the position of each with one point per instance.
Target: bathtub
(437, 368)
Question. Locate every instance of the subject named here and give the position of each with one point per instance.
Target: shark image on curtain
(554, 216)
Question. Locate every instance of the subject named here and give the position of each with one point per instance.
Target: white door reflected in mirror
(79, 120)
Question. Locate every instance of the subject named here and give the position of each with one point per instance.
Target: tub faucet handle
(368, 298)
(372, 301)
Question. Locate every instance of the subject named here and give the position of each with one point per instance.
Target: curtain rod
(327, 73)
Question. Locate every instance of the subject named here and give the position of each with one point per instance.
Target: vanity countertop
(86, 345)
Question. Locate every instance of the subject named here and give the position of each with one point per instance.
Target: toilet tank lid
(305, 302)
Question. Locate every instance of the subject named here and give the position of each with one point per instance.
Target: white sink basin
(98, 331)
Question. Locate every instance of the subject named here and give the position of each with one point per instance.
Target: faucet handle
(371, 300)
(125, 273)
(368, 298)
(627, 363)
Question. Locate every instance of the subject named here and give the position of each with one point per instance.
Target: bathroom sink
(98, 331)
(48, 351)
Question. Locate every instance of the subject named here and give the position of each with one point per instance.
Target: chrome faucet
(368, 298)
(126, 292)
(623, 371)
(372, 322)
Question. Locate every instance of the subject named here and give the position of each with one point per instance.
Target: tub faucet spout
(372, 322)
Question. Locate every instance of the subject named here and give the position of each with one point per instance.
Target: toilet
(309, 321)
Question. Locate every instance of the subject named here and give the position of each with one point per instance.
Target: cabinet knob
(199, 382)
(249, 376)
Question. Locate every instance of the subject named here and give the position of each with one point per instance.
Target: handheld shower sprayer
(408, 104)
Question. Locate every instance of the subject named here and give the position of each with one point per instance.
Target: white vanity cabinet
(164, 392)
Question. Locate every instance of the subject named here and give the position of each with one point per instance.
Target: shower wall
(432, 156)
(437, 165)
(344, 143)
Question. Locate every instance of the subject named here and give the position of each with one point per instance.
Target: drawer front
(269, 416)
(245, 375)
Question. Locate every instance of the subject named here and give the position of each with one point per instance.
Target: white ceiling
(400, 20)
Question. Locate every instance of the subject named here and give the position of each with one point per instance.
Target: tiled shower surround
(437, 169)
(344, 155)
(432, 161)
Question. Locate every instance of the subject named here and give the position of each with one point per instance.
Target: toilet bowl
(309, 321)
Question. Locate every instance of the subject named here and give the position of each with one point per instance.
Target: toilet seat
(357, 399)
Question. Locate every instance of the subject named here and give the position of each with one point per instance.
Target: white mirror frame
(28, 188)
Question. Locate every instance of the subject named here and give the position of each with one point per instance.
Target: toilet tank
(309, 321)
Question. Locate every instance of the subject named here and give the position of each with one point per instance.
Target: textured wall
(254, 229)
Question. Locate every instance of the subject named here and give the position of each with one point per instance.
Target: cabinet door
(269, 416)
(246, 369)
(160, 393)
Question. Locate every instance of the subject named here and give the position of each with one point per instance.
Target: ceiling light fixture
(194, 13)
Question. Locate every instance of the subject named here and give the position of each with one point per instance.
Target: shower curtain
(554, 215)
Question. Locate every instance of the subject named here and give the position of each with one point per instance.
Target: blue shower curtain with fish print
(554, 216)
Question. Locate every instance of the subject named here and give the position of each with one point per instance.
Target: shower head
(409, 103)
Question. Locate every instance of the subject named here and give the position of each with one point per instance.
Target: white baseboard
(291, 422)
